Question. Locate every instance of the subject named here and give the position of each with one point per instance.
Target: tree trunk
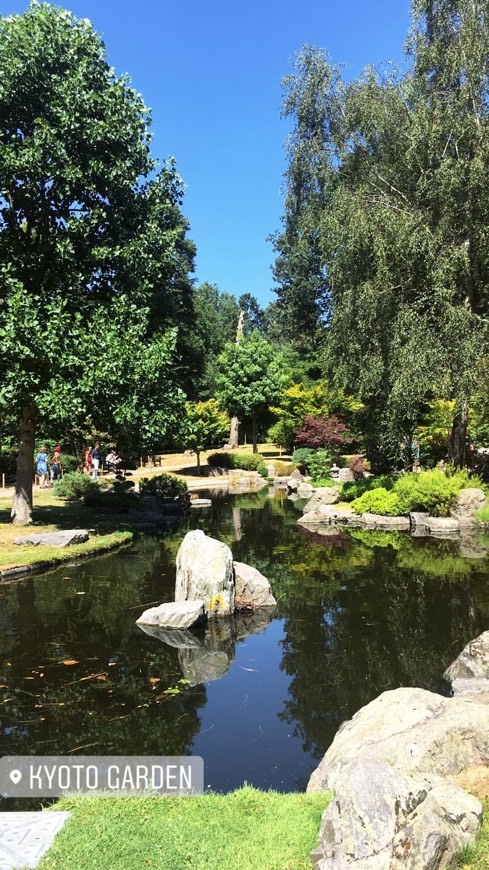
(197, 452)
(22, 505)
(458, 440)
(233, 434)
(254, 429)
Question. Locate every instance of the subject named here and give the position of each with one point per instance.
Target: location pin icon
(15, 776)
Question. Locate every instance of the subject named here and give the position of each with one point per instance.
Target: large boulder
(381, 819)
(205, 572)
(324, 514)
(322, 495)
(252, 588)
(65, 538)
(443, 527)
(468, 502)
(305, 490)
(391, 809)
(469, 673)
(175, 615)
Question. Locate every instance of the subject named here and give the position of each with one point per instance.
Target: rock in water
(175, 615)
(205, 572)
(252, 587)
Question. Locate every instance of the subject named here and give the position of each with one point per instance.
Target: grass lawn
(50, 515)
(246, 829)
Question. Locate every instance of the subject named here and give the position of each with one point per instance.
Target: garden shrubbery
(355, 489)
(162, 486)
(245, 461)
(118, 494)
(432, 491)
(74, 486)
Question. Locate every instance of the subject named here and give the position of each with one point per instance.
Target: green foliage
(483, 514)
(245, 461)
(377, 501)
(250, 379)
(262, 469)
(319, 464)
(74, 486)
(355, 489)
(283, 469)
(301, 456)
(70, 463)
(204, 424)
(163, 486)
(119, 494)
(434, 491)
(433, 434)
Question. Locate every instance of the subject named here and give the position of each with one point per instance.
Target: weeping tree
(90, 244)
(402, 223)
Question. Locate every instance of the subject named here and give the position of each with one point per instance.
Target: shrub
(327, 432)
(351, 491)
(74, 486)
(162, 486)
(70, 463)
(301, 457)
(262, 469)
(117, 494)
(245, 461)
(483, 514)
(319, 465)
(377, 501)
(434, 491)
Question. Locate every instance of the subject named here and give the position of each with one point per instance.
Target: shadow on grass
(74, 515)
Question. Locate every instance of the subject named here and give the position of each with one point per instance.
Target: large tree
(251, 378)
(402, 222)
(91, 247)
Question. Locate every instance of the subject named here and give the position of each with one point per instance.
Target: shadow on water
(357, 614)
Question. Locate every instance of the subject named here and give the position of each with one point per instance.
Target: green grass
(246, 829)
(51, 514)
(477, 857)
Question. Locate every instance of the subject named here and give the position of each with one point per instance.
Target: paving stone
(26, 837)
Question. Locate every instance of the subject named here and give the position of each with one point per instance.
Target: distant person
(96, 457)
(112, 461)
(42, 468)
(56, 469)
(87, 460)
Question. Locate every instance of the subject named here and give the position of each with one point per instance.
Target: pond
(357, 614)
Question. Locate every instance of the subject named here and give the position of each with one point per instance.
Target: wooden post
(3, 480)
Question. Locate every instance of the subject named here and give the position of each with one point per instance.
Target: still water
(357, 614)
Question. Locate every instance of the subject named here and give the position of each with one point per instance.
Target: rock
(296, 475)
(415, 730)
(322, 495)
(418, 518)
(293, 484)
(251, 586)
(175, 615)
(280, 482)
(345, 475)
(443, 526)
(54, 539)
(391, 809)
(380, 819)
(305, 490)
(324, 514)
(200, 502)
(468, 502)
(473, 661)
(471, 687)
(378, 521)
(205, 572)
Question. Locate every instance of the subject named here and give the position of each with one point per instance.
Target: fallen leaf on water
(71, 662)
(252, 670)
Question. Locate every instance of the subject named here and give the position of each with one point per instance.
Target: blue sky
(210, 70)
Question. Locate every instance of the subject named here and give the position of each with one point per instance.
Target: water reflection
(357, 614)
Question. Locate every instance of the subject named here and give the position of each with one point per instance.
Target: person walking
(56, 469)
(96, 457)
(42, 469)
